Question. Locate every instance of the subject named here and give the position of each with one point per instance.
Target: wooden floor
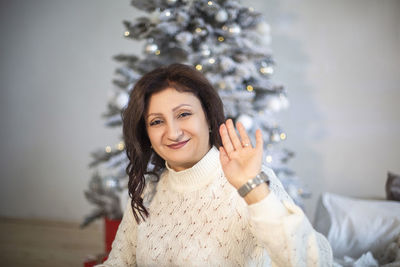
(37, 243)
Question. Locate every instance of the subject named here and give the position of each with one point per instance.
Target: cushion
(355, 226)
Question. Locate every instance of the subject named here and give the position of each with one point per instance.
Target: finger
(226, 141)
(243, 134)
(259, 140)
(233, 135)
(223, 157)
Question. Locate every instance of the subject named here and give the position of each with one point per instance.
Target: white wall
(56, 72)
(340, 63)
(338, 60)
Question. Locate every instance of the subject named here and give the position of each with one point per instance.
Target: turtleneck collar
(201, 174)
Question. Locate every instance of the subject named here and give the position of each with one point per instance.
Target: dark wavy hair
(137, 143)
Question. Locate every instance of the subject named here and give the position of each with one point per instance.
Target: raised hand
(239, 159)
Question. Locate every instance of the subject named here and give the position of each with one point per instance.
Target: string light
(108, 149)
(222, 84)
(210, 3)
(121, 146)
(221, 39)
(211, 60)
(249, 88)
(267, 70)
(300, 191)
(168, 13)
(269, 159)
(199, 67)
(158, 52)
(198, 30)
(283, 136)
(127, 33)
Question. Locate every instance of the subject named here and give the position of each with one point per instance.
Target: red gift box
(110, 230)
(111, 227)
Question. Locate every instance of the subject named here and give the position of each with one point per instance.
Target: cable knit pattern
(198, 219)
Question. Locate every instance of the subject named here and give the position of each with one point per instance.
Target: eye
(184, 114)
(155, 122)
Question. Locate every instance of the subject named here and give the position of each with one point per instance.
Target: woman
(211, 204)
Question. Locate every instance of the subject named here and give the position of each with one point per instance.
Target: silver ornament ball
(273, 103)
(150, 48)
(234, 29)
(221, 16)
(184, 38)
(275, 137)
(122, 100)
(110, 184)
(263, 28)
(205, 50)
(246, 120)
(166, 15)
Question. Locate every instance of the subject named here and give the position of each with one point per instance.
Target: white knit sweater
(198, 219)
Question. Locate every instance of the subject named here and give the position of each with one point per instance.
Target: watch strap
(262, 177)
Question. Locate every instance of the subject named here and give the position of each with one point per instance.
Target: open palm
(239, 159)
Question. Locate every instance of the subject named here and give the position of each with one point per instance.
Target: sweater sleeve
(123, 250)
(284, 231)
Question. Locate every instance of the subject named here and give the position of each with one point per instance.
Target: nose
(174, 131)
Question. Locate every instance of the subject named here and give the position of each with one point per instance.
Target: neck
(197, 176)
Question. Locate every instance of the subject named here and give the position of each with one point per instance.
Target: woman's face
(177, 128)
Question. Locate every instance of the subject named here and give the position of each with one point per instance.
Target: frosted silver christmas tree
(230, 44)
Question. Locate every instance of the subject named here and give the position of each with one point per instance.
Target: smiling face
(177, 128)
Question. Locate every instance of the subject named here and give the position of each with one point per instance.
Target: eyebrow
(174, 109)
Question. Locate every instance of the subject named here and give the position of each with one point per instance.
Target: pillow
(356, 226)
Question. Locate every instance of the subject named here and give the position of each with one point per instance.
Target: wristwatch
(253, 183)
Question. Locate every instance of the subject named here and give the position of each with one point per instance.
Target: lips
(178, 145)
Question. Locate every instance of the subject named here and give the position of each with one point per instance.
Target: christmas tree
(226, 41)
